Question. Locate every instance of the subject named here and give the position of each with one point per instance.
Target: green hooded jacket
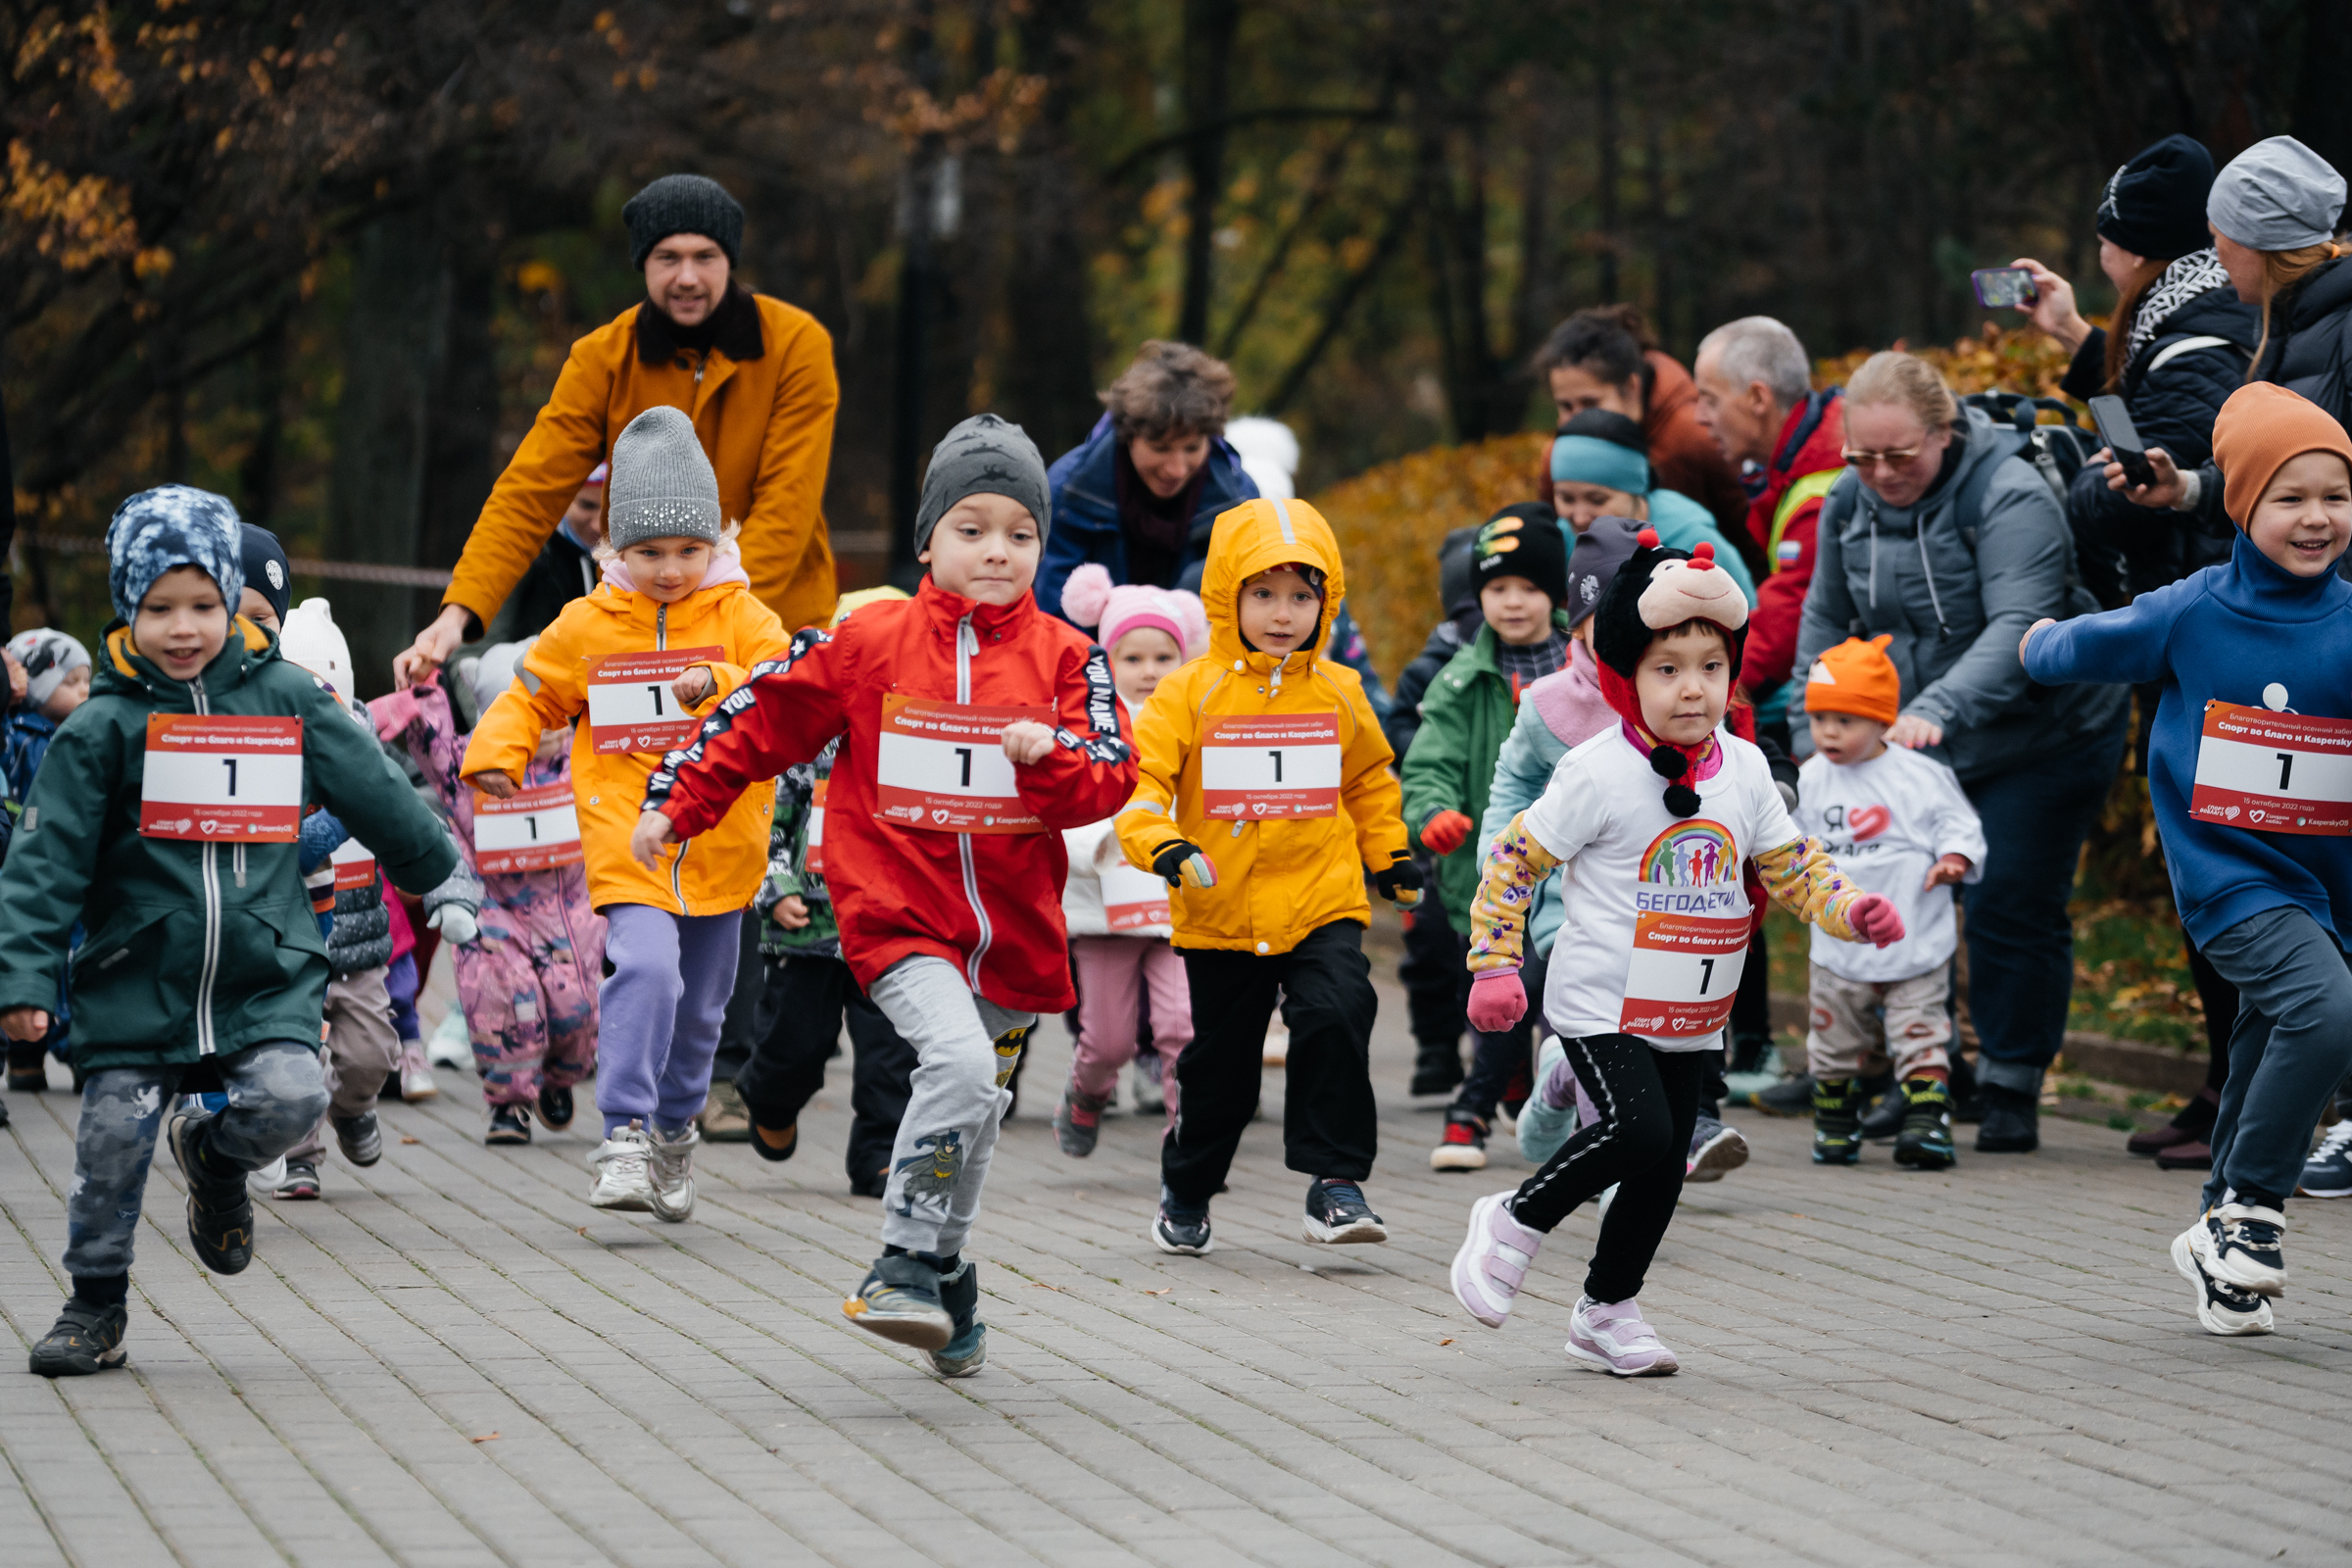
(1465, 716)
(194, 949)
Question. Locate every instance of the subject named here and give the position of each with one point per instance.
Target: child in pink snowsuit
(528, 984)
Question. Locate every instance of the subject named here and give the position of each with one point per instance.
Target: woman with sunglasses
(1942, 535)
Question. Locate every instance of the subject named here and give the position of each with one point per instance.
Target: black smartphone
(2115, 430)
(2002, 287)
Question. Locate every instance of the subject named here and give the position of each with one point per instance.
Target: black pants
(2221, 1014)
(1431, 976)
(1496, 1058)
(748, 1009)
(1329, 1123)
(1648, 1101)
(806, 1000)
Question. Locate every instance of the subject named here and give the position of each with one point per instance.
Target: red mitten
(1497, 1001)
(1876, 919)
(1446, 831)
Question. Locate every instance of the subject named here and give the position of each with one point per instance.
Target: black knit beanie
(267, 572)
(2155, 206)
(682, 204)
(1523, 541)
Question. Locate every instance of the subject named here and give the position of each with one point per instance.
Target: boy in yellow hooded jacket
(1265, 798)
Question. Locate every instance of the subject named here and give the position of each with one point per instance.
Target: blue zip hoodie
(2228, 632)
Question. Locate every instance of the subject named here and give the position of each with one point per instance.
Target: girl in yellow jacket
(1266, 798)
(674, 629)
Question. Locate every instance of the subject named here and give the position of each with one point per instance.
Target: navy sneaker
(1926, 1141)
(968, 1352)
(1181, 1229)
(2328, 1173)
(1337, 1214)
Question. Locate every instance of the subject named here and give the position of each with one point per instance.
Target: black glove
(1181, 862)
(1400, 884)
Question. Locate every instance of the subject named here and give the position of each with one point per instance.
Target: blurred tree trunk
(1604, 130)
(257, 473)
(919, 290)
(463, 416)
(1048, 378)
(1208, 31)
(2324, 97)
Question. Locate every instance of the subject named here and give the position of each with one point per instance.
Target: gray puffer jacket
(1957, 593)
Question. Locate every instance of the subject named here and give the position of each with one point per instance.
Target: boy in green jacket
(164, 816)
(1521, 570)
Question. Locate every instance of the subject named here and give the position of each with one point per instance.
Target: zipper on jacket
(677, 885)
(661, 626)
(968, 643)
(210, 863)
(237, 858)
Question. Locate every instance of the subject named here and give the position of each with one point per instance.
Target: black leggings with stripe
(1648, 1100)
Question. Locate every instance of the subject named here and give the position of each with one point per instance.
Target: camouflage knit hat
(172, 525)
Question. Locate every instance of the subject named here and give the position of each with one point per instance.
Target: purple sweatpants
(659, 1013)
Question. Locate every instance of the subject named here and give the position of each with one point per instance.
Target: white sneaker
(1492, 1264)
(2242, 1245)
(1610, 1337)
(416, 1077)
(267, 1178)
(2222, 1307)
(623, 1177)
(671, 1172)
(450, 1045)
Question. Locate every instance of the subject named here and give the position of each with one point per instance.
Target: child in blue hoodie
(2250, 768)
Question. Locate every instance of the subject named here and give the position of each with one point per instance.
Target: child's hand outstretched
(653, 831)
(692, 687)
(498, 786)
(1026, 741)
(1948, 870)
(23, 1023)
(2030, 631)
(791, 912)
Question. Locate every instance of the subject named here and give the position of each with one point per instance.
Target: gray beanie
(983, 455)
(172, 525)
(1600, 551)
(662, 486)
(682, 204)
(2277, 195)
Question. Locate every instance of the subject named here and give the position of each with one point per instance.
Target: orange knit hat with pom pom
(1856, 677)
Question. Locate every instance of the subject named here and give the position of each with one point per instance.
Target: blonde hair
(2281, 272)
(604, 550)
(1907, 381)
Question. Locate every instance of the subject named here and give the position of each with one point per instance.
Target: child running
(672, 627)
(166, 809)
(1118, 915)
(1656, 909)
(973, 729)
(57, 672)
(2254, 660)
(1898, 823)
(1266, 800)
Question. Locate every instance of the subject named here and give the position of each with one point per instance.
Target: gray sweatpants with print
(275, 1096)
(361, 1051)
(966, 1047)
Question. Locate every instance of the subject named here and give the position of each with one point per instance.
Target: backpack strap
(2187, 345)
(1968, 509)
(1807, 487)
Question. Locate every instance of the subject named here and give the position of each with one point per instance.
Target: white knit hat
(311, 638)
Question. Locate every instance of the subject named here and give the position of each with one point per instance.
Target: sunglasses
(1901, 456)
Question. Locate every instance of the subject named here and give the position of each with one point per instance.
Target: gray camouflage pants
(964, 1049)
(275, 1096)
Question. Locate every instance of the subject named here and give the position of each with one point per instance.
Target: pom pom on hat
(1086, 594)
(1090, 599)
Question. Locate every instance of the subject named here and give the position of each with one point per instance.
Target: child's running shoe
(509, 1124)
(1078, 1121)
(898, 1300)
(777, 1145)
(1610, 1337)
(2240, 1245)
(2328, 1173)
(2222, 1307)
(623, 1176)
(671, 1172)
(299, 1185)
(556, 1107)
(415, 1073)
(1337, 1214)
(1181, 1229)
(85, 1338)
(220, 1209)
(1926, 1141)
(1492, 1262)
(1836, 1121)
(1463, 1145)
(1147, 1085)
(1715, 1149)
(449, 1045)
(361, 1138)
(1885, 1120)
(1549, 1114)
(968, 1352)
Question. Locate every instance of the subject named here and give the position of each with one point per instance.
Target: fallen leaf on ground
(1043, 1285)
(1442, 1343)
(1160, 1293)
(407, 1139)
(492, 1438)
(583, 1230)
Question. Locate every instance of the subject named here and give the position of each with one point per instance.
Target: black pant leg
(1330, 1123)
(1431, 974)
(2220, 1013)
(881, 1081)
(746, 1018)
(1646, 1195)
(1632, 1132)
(1751, 1007)
(1218, 1074)
(1497, 1057)
(787, 1067)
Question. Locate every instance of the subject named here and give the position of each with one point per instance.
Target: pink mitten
(394, 713)
(1876, 919)
(1497, 1001)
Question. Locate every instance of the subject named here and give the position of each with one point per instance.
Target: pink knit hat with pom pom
(1089, 598)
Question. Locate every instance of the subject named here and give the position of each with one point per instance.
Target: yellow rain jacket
(715, 874)
(1277, 880)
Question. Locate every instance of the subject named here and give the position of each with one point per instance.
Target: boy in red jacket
(973, 728)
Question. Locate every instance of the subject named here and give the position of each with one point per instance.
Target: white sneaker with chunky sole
(2242, 1244)
(1492, 1262)
(1610, 1337)
(2223, 1308)
(623, 1175)
(670, 1172)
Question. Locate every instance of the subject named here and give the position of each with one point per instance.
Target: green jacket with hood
(194, 949)
(1465, 718)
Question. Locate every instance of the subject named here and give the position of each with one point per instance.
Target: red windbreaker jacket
(987, 901)
(1811, 451)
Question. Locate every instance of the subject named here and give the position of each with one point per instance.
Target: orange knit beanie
(2261, 429)
(1855, 677)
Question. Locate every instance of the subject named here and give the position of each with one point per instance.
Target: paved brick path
(454, 1361)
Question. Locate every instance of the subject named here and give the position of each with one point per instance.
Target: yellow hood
(1258, 536)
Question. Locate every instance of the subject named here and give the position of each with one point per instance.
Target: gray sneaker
(361, 1139)
(671, 1172)
(1078, 1121)
(899, 1300)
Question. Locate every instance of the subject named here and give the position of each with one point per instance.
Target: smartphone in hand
(2122, 437)
(2003, 286)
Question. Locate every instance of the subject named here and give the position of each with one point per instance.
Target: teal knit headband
(1589, 459)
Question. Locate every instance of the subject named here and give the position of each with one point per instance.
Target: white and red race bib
(1259, 766)
(1690, 934)
(813, 863)
(214, 777)
(355, 866)
(630, 706)
(532, 830)
(2274, 772)
(941, 765)
(1134, 900)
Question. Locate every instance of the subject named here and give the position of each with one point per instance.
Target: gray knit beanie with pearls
(662, 486)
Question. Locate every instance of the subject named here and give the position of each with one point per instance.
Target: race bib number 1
(2274, 772)
(630, 706)
(530, 830)
(1690, 935)
(1270, 765)
(215, 777)
(942, 766)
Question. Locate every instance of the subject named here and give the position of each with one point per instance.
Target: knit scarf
(2197, 272)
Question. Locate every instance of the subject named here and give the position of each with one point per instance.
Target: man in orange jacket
(755, 375)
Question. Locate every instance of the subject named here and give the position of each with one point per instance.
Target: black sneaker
(554, 1107)
(968, 1352)
(899, 1300)
(1181, 1229)
(220, 1210)
(779, 1143)
(1885, 1120)
(1337, 1214)
(509, 1124)
(361, 1139)
(2012, 1123)
(1926, 1140)
(1438, 1069)
(873, 1184)
(1836, 1122)
(1790, 1096)
(300, 1183)
(85, 1338)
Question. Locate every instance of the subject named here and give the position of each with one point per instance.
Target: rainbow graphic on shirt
(1691, 854)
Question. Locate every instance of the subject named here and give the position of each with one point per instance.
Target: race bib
(215, 777)
(813, 863)
(1271, 766)
(630, 706)
(537, 828)
(1134, 900)
(1690, 934)
(2274, 772)
(941, 765)
(355, 866)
